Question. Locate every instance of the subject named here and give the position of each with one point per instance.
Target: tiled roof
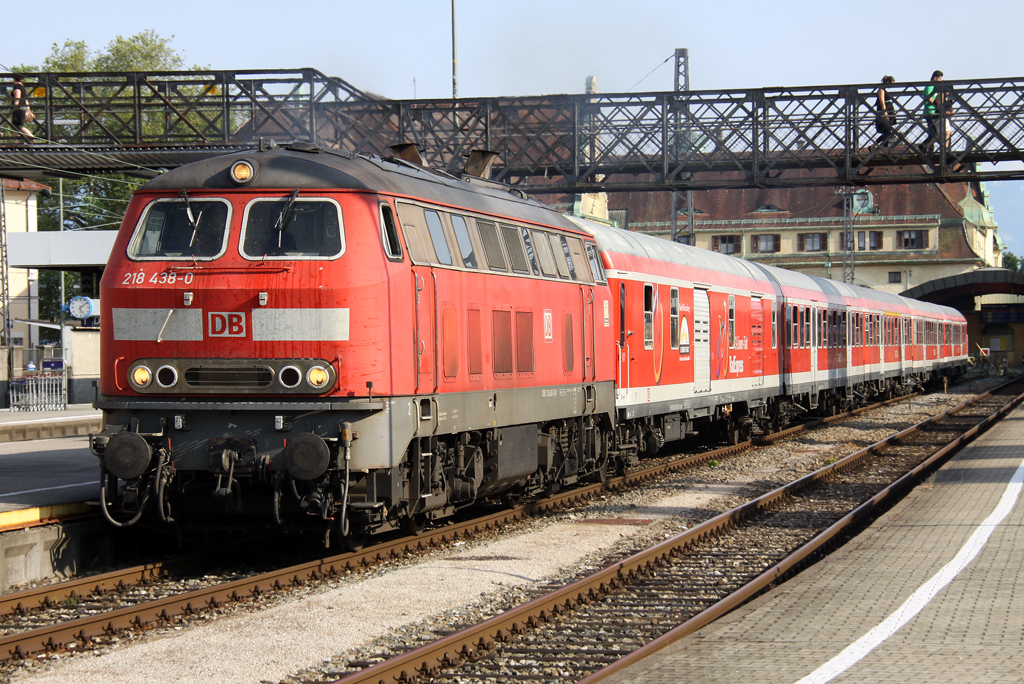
(24, 185)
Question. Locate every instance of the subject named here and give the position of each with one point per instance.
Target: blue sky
(532, 47)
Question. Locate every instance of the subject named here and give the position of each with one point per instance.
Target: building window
(726, 244)
(765, 244)
(860, 240)
(912, 239)
(875, 239)
(895, 276)
(812, 242)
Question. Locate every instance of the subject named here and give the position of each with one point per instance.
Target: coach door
(813, 326)
(756, 342)
(701, 341)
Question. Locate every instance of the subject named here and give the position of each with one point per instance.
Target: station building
(19, 214)
(904, 235)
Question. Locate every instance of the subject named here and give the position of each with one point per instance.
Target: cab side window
(389, 233)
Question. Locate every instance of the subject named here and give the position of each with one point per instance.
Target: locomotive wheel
(355, 541)
(511, 499)
(415, 524)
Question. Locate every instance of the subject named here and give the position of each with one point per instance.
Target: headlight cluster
(263, 376)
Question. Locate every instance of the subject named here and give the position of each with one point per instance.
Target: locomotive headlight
(242, 172)
(141, 376)
(317, 377)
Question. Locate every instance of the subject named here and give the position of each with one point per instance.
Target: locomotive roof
(308, 167)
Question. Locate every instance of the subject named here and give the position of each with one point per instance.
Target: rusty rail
(456, 648)
(53, 637)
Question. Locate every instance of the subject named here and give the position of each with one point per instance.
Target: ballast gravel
(313, 633)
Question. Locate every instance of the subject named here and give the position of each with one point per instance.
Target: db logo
(226, 324)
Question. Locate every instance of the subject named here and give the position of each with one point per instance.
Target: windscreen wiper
(192, 220)
(285, 217)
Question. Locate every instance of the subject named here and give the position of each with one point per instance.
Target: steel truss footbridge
(142, 122)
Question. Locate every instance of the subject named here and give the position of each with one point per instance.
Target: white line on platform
(46, 489)
(920, 598)
(55, 419)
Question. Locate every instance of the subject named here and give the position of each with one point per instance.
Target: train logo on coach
(225, 324)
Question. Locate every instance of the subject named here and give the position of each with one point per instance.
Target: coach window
(775, 327)
(514, 246)
(492, 246)
(797, 314)
(595, 264)
(543, 247)
(389, 233)
(530, 253)
(807, 326)
(673, 313)
(178, 229)
(292, 228)
(648, 316)
(556, 250)
(790, 326)
(466, 250)
(437, 238)
(732, 321)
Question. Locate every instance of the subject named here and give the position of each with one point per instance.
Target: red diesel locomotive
(311, 338)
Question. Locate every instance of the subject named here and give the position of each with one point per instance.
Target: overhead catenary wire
(667, 59)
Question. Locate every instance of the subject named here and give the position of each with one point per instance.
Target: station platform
(76, 419)
(46, 469)
(933, 591)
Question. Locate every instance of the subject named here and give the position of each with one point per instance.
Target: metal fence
(46, 391)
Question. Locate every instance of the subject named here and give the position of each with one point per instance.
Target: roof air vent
(479, 163)
(408, 152)
(303, 146)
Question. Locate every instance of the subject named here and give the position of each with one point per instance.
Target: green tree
(1011, 261)
(93, 202)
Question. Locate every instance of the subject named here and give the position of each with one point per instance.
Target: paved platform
(77, 419)
(932, 592)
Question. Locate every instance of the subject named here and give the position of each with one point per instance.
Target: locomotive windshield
(292, 228)
(181, 229)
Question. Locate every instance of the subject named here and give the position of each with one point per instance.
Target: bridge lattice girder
(767, 137)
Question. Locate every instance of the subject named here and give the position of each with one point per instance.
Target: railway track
(601, 623)
(39, 618)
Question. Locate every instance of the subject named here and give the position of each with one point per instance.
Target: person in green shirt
(932, 105)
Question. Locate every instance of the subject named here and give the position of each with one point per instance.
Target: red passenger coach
(308, 339)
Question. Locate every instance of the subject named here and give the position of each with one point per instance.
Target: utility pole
(63, 347)
(682, 84)
(455, 59)
(848, 247)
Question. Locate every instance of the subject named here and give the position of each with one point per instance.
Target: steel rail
(53, 637)
(793, 562)
(453, 650)
(52, 594)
